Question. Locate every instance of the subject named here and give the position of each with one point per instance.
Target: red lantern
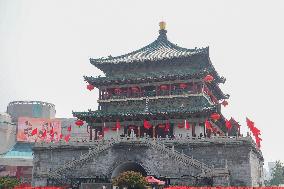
(147, 125)
(163, 87)
(90, 87)
(208, 78)
(208, 125)
(135, 89)
(131, 127)
(180, 125)
(117, 90)
(105, 129)
(79, 123)
(225, 103)
(182, 85)
(215, 116)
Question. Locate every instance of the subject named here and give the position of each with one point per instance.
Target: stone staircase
(57, 174)
(180, 158)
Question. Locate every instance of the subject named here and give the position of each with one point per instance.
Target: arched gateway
(128, 166)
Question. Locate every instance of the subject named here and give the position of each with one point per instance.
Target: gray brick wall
(242, 159)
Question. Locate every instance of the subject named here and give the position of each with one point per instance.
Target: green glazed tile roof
(97, 81)
(99, 113)
(160, 49)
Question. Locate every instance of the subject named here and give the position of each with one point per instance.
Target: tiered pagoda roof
(170, 62)
(103, 114)
(160, 51)
(134, 78)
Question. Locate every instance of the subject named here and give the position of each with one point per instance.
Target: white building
(7, 133)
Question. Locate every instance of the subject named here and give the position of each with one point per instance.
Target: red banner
(38, 129)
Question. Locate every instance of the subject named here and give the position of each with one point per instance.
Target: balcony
(85, 142)
(123, 96)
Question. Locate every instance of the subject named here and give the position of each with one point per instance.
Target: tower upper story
(160, 58)
(159, 69)
(160, 78)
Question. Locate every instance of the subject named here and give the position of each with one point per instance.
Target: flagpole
(103, 131)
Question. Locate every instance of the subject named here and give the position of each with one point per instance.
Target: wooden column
(156, 90)
(96, 134)
(154, 133)
(91, 132)
(128, 95)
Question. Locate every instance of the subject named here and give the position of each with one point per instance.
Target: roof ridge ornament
(162, 31)
(162, 25)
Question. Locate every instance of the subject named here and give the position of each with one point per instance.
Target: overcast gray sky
(45, 46)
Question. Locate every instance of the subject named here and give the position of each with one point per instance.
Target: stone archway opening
(129, 166)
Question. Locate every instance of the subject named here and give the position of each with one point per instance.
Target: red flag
(255, 131)
(67, 138)
(61, 136)
(51, 132)
(235, 124)
(34, 132)
(208, 124)
(187, 125)
(228, 125)
(250, 123)
(44, 134)
(52, 135)
(69, 128)
(117, 124)
(257, 141)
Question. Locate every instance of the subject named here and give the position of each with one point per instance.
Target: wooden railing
(125, 95)
(83, 141)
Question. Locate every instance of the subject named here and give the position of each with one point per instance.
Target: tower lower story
(217, 161)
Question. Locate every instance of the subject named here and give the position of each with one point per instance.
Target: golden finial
(162, 25)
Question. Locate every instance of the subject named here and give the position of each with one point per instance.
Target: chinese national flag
(34, 132)
(51, 132)
(44, 134)
(67, 138)
(52, 136)
(250, 123)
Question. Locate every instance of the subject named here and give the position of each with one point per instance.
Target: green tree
(277, 175)
(8, 182)
(131, 180)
